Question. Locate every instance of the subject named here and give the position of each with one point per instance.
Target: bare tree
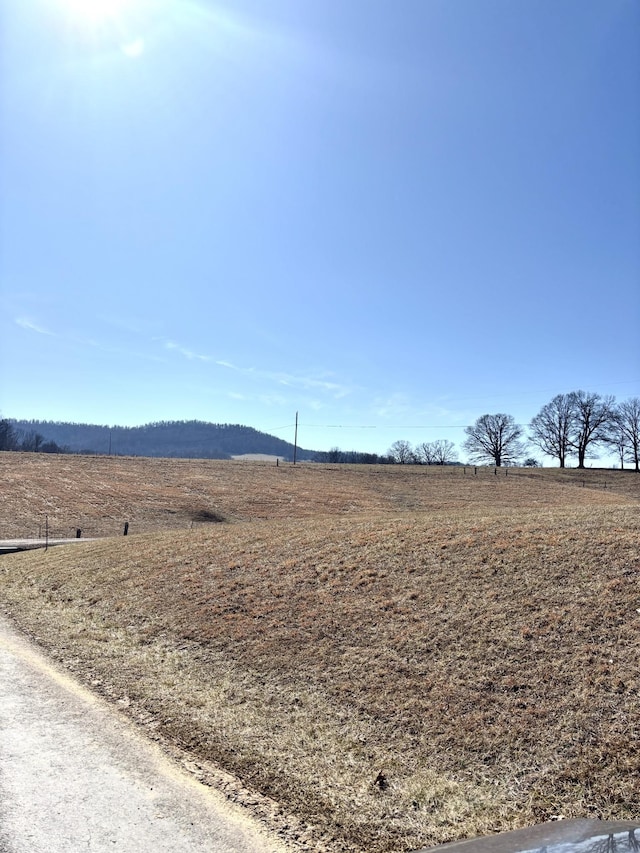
(494, 438)
(441, 452)
(444, 452)
(400, 451)
(550, 430)
(616, 439)
(593, 417)
(425, 453)
(626, 431)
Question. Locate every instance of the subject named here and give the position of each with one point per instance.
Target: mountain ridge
(171, 439)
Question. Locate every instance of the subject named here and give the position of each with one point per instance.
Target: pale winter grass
(98, 494)
(443, 656)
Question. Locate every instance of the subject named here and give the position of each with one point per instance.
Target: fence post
(126, 528)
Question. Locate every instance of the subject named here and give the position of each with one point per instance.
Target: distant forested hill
(183, 439)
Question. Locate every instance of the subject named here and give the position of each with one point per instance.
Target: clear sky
(391, 217)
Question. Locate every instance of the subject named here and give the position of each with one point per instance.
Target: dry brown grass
(472, 638)
(99, 493)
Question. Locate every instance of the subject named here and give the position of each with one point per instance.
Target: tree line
(351, 457)
(183, 439)
(574, 425)
(571, 426)
(28, 441)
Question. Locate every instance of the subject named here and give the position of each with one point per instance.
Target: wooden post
(126, 528)
(295, 441)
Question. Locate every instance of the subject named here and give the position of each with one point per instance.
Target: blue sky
(389, 217)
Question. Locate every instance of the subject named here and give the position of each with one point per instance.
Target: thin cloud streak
(187, 353)
(31, 326)
(303, 382)
(393, 406)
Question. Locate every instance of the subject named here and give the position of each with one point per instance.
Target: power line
(380, 426)
(466, 401)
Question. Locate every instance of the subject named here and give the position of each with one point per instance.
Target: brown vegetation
(99, 493)
(399, 656)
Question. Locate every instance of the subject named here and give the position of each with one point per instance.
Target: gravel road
(75, 776)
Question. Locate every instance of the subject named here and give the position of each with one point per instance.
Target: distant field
(398, 656)
(99, 493)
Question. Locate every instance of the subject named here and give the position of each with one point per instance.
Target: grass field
(389, 657)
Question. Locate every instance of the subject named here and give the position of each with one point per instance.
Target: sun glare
(107, 24)
(96, 12)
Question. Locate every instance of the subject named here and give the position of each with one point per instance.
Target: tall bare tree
(440, 452)
(550, 430)
(593, 416)
(401, 451)
(494, 438)
(444, 452)
(626, 431)
(425, 453)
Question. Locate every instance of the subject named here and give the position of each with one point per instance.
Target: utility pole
(295, 442)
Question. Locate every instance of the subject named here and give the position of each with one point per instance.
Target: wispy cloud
(112, 349)
(273, 400)
(306, 383)
(132, 324)
(187, 353)
(392, 406)
(400, 408)
(31, 326)
(79, 341)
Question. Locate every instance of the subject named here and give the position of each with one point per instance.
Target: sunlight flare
(133, 49)
(96, 12)
(109, 24)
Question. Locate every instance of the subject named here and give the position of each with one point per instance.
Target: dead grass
(469, 641)
(98, 494)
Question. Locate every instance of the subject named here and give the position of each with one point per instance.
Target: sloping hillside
(395, 658)
(184, 439)
(98, 494)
